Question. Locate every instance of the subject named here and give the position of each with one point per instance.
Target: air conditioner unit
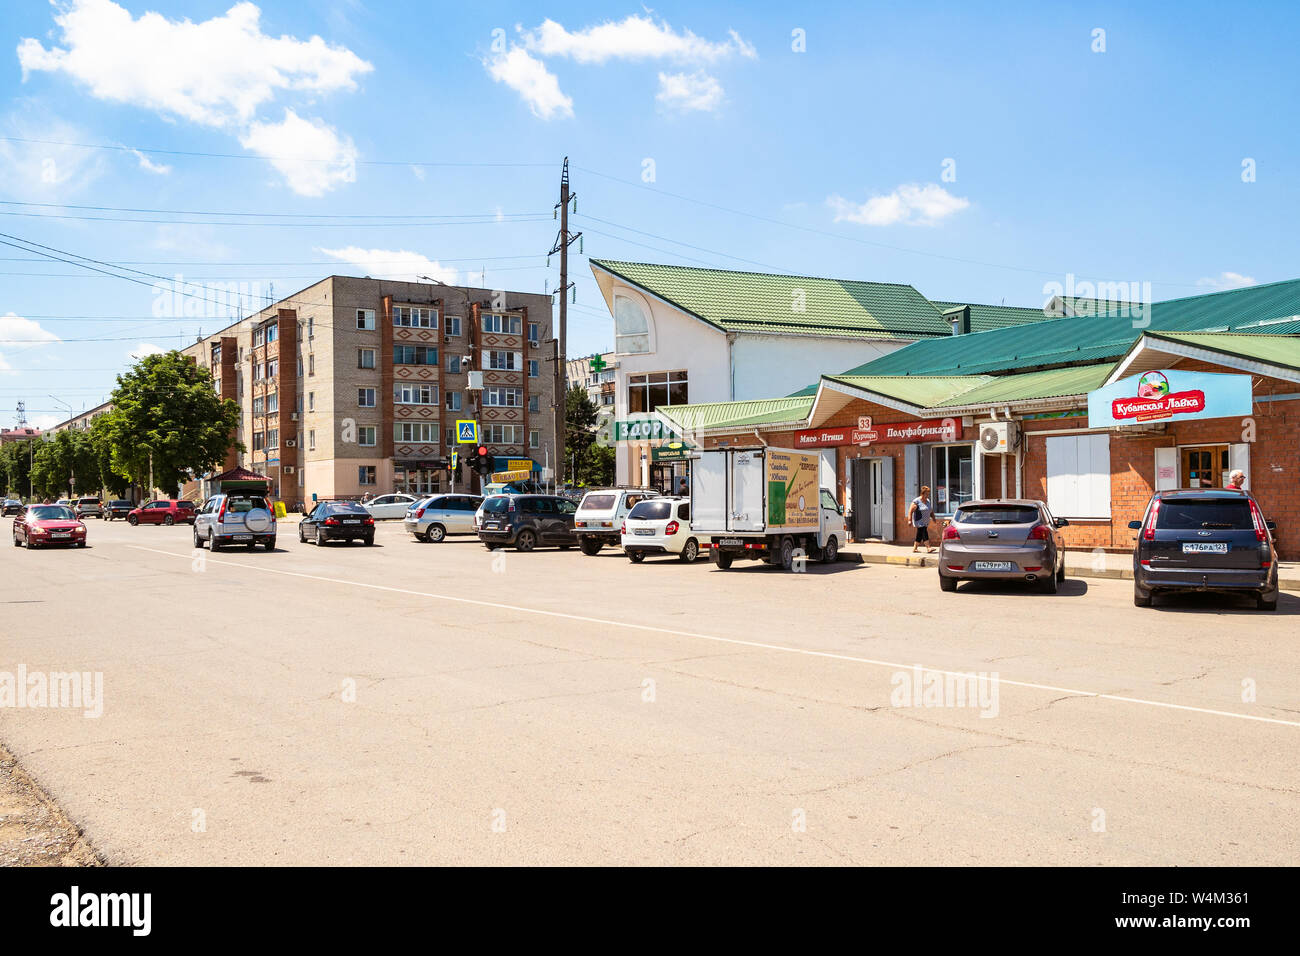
(293, 416)
(998, 438)
(288, 469)
(290, 443)
(446, 337)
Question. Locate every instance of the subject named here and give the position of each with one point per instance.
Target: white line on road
(724, 640)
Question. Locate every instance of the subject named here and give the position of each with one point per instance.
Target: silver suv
(88, 507)
(437, 516)
(234, 519)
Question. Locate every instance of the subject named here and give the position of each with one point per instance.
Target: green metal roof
(1274, 349)
(1053, 383)
(984, 317)
(922, 390)
(1077, 340)
(760, 302)
(714, 415)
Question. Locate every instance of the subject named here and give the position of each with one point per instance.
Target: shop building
(355, 386)
(1027, 412)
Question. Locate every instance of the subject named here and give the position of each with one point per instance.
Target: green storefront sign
(643, 429)
(673, 451)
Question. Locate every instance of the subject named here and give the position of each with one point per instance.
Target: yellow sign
(792, 488)
(519, 464)
(280, 510)
(503, 476)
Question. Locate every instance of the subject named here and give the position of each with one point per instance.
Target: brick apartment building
(353, 386)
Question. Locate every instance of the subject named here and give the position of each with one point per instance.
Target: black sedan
(337, 521)
(11, 506)
(118, 509)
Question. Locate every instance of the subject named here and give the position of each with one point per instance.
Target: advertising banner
(642, 429)
(931, 429)
(1169, 395)
(793, 492)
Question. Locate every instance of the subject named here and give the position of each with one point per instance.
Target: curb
(929, 561)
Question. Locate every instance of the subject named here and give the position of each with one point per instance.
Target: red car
(40, 525)
(163, 511)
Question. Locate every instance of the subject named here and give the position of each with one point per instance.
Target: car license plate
(730, 542)
(491, 526)
(993, 566)
(241, 537)
(1205, 547)
(352, 521)
(643, 530)
(60, 534)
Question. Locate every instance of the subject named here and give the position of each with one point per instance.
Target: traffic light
(482, 461)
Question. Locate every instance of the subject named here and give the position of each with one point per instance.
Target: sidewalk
(1078, 564)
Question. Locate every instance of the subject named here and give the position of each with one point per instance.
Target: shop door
(873, 497)
(1204, 466)
(860, 485)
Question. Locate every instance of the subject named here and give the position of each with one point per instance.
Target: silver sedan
(437, 516)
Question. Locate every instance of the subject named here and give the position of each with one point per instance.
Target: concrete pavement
(443, 704)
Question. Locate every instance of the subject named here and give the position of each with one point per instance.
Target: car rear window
(346, 507)
(240, 505)
(87, 501)
(598, 503)
(652, 510)
(1186, 514)
(996, 514)
(496, 505)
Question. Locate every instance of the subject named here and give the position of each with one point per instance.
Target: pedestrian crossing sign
(466, 432)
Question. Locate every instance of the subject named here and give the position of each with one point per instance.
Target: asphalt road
(421, 703)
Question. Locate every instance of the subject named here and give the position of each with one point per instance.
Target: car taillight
(510, 505)
(221, 512)
(1261, 532)
(622, 529)
(1149, 531)
(331, 520)
(419, 513)
(1039, 532)
(951, 533)
(368, 520)
(671, 528)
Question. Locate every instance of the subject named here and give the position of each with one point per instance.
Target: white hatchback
(661, 526)
(389, 506)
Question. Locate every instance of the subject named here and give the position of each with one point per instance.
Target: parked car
(601, 513)
(1204, 540)
(166, 511)
(87, 507)
(337, 521)
(440, 515)
(11, 506)
(40, 525)
(527, 521)
(1013, 539)
(661, 526)
(389, 506)
(118, 509)
(235, 518)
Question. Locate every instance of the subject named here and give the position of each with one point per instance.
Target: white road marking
(726, 640)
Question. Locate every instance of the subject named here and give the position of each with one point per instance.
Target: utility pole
(562, 243)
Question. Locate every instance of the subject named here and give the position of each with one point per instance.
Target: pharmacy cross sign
(598, 364)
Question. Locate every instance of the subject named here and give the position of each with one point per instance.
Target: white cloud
(143, 349)
(689, 91)
(149, 166)
(911, 203)
(529, 77)
(216, 72)
(39, 170)
(636, 38)
(311, 156)
(392, 264)
(22, 333)
(1226, 280)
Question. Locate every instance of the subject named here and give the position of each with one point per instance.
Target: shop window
(647, 392)
(1078, 475)
(631, 326)
(952, 476)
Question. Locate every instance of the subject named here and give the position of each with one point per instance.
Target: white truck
(764, 503)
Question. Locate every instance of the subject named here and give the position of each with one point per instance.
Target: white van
(601, 513)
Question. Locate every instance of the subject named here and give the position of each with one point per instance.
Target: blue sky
(976, 151)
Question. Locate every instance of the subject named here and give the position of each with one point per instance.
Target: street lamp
(72, 474)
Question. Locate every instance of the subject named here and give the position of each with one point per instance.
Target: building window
(300, 366)
(1078, 476)
(311, 327)
(454, 364)
(366, 320)
(259, 337)
(311, 401)
(502, 324)
(507, 361)
(258, 407)
(647, 392)
(367, 436)
(273, 439)
(449, 436)
(415, 394)
(257, 371)
(500, 396)
(272, 368)
(273, 403)
(453, 325)
(534, 403)
(311, 440)
(503, 434)
(422, 432)
(414, 355)
(534, 438)
(453, 401)
(534, 368)
(259, 441)
(366, 397)
(952, 476)
(413, 318)
(365, 474)
(532, 333)
(311, 364)
(631, 327)
(365, 358)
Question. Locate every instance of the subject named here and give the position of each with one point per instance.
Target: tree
(65, 465)
(101, 443)
(15, 467)
(168, 420)
(580, 415)
(597, 466)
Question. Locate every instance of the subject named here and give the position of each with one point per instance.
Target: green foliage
(596, 467)
(165, 408)
(65, 465)
(580, 415)
(15, 459)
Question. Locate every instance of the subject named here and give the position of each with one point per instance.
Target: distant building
(596, 374)
(81, 422)
(25, 433)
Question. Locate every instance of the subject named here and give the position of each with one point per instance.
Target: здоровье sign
(1169, 395)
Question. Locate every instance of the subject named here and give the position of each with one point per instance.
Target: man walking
(919, 513)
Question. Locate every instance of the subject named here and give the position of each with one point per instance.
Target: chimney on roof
(959, 319)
